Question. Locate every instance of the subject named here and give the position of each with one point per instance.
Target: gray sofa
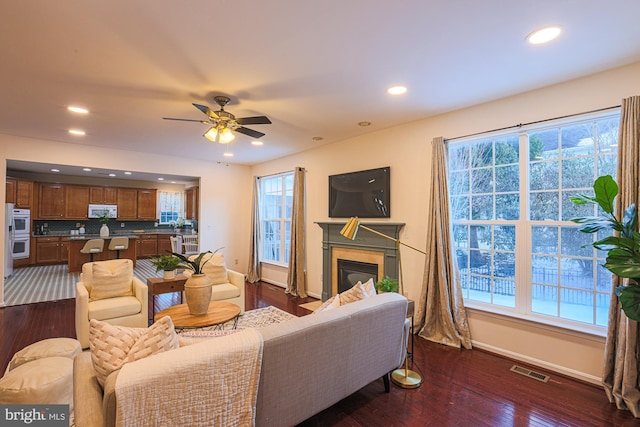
(308, 363)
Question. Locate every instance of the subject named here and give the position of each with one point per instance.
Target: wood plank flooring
(460, 388)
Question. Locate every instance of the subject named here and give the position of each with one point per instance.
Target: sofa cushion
(110, 281)
(51, 347)
(111, 308)
(224, 291)
(113, 346)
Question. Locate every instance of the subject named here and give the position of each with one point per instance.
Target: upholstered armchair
(109, 291)
(228, 285)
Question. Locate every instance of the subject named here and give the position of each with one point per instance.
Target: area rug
(313, 306)
(250, 319)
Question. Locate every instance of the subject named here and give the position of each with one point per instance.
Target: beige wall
(225, 213)
(407, 149)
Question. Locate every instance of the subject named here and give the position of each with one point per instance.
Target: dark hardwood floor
(460, 388)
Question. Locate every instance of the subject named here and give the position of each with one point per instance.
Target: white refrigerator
(9, 235)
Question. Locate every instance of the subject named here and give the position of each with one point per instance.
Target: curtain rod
(534, 123)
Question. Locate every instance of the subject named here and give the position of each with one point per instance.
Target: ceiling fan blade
(206, 110)
(250, 132)
(257, 120)
(186, 120)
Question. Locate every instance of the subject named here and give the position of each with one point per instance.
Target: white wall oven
(21, 233)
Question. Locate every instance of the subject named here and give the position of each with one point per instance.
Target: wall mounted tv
(364, 194)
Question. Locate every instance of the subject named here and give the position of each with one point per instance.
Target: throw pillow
(215, 268)
(356, 293)
(113, 346)
(369, 288)
(108, 283)
(332, 302)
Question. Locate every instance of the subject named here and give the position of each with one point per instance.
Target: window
(276, 195)
(169, 206)
(516, 248)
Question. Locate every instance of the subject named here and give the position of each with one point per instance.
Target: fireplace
(351, 272)
(367, 248)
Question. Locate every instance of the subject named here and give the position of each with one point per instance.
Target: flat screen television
(365, 194)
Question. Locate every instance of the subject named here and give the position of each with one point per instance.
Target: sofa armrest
(141, 292)
(87, 393)
(82, 314)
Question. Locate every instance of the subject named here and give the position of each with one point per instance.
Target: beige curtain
(253, 272)
(620, 374)
(441, 316)
(296, 277)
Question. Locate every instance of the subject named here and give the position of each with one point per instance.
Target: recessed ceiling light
(317, 138)
(257, 143)
(55, 170)
(543, 35)
(112, 174)
(78, 110)
(227, 154)
(77, 132)
(364, 123)
(160, 179)
(86, 169)
(127, 173)
(396, 90)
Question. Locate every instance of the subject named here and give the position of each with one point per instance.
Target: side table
(158, 285)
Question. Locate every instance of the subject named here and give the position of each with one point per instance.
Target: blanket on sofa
(214, 382)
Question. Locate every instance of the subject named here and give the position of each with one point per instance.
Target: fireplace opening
(352, 272)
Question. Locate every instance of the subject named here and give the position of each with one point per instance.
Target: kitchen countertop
(129, 234)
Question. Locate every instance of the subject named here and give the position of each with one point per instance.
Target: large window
(276, 194)
(169, 206)
(516, 248)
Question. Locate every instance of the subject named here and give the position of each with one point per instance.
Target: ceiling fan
(223, 123)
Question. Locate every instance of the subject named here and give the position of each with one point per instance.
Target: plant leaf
(606, 190)
(582, 199)
(629, 297)
(623, 264)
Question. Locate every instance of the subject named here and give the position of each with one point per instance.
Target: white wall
(407, 149)
(225, 191)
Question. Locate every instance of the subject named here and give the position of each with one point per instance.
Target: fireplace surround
(367, 247)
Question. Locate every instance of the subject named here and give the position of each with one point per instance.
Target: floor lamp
(402, 377)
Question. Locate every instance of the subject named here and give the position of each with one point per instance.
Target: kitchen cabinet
(191, 203)
(76, 259)
(51, 250)
(24, 194)
(77, 202)
(147, 245)
(127, 202)
(103, 195)
(164, 244)
(51, 201)
(147, 204)
(10, 190)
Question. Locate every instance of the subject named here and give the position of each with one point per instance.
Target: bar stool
(93, 246)
(119, 244)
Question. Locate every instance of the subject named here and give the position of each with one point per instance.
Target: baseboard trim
(582, 376)
(284, 285)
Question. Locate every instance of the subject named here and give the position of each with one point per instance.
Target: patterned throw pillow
(332, 302)
(107, 283)
(369, 288)
(113, 346)
(356, 293)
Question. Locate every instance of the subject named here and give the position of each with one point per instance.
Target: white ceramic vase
(197, 291)
(104, 231)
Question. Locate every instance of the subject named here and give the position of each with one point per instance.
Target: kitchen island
(76, 258)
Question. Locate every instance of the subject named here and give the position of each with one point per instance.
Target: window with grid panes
(276, 194)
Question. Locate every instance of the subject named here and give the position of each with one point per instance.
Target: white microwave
(97, 211)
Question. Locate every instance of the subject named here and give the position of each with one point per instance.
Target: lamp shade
(350, 229)
(211, 134)
(226, 135)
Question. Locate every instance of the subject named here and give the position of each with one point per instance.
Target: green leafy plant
(387, 284)
(196, 265)
(166, 262)
(623, 256)
(104, 217)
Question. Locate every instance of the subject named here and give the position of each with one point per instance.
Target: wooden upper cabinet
(103, 195)
(51, 201)
(24, 194)
(191, 202)
(127, 201)
(147, 204)
(10, 194)
(77, 201)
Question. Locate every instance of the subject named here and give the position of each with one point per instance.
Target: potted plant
(387, 284)
(167, 264)
(104, 219)
(623, 256)
(197, 288)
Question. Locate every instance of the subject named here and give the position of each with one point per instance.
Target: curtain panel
(253, 272)
(296, 276)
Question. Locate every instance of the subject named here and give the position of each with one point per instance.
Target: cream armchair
(109, 291)
(228, 285)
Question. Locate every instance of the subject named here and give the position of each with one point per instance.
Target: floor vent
(528, 373)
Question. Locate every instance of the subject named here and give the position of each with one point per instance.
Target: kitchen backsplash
(92, 226)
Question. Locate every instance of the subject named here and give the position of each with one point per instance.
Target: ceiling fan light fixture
(226, 136)
(211, 134)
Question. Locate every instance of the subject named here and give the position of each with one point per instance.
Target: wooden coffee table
(218, 314)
